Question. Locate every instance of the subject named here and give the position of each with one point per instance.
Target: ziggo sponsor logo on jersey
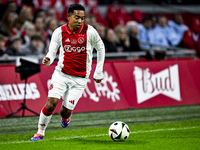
(68, 48)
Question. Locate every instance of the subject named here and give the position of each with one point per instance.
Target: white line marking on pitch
(75, 137)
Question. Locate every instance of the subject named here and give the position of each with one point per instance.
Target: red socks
(46, 112)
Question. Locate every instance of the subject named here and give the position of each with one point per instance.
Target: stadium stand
(111, 15)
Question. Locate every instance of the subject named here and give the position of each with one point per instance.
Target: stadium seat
(190, 19)
(123, 13)
(112, 10)
(137, 15)
(64, 17)
(59, 15)
(95, 11)
(188, 40)
(111, 15)
(195, 25)
(187, 18)
(119, 21)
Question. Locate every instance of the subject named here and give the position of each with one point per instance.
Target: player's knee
(51, 104)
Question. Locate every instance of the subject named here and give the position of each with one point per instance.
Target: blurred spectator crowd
(25, 30)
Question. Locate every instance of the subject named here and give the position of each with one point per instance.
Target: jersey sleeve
(54, 45)
(98, 44)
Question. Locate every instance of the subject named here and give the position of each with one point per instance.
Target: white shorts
(67, 87)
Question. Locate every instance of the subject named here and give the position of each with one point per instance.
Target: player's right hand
(46, 61)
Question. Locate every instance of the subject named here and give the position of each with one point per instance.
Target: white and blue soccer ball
(119, 131)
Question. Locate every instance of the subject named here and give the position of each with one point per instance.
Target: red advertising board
(155, 84)
(108, 95)
(125, 85)
(12, 92)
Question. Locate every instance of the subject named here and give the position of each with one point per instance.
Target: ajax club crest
(81, 40)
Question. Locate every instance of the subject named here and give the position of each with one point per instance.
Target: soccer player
(76, 41)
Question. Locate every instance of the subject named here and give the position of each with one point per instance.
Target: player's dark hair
(75, 7)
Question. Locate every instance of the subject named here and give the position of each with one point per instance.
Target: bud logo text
(165, 82)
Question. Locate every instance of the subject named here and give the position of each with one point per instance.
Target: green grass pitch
(167, 128)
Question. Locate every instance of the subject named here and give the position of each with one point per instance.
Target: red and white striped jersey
(76, 47)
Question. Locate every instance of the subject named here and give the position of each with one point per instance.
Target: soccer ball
(119, 131)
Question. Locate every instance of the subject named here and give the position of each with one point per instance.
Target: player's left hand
(97, 80)
(46, 61)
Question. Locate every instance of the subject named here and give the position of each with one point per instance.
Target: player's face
(76, 19)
